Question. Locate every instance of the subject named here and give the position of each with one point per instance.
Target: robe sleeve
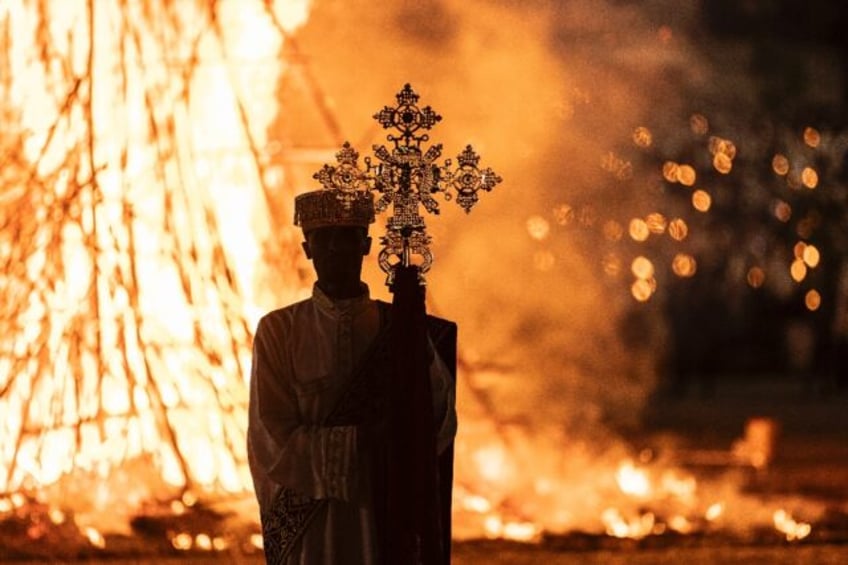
(444, 401)
(318, 461)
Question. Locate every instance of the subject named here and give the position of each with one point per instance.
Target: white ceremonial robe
(303, 356)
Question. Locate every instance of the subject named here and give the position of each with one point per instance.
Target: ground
(811, 461)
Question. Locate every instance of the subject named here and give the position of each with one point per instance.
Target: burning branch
(123, 318)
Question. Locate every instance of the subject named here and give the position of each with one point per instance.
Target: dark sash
(363, 401)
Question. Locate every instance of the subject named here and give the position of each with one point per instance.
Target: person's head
(335, 232)
(336, 253)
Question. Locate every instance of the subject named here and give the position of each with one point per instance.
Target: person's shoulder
(284, 315)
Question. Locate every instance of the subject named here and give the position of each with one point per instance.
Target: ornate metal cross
(407, 177)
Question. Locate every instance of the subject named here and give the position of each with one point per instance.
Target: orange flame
(139, 184)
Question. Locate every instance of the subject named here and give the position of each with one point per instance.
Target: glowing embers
(514, 530)
(787, 525)
(494, 516)
(636, 527)
(185, 541)
(668, 487)
(94, 537)
(633, 481)
(28, 522)
(494, 463)
(631, 498)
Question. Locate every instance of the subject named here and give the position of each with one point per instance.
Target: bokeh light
(563, 214)
(543, 261)
(809, 178)
(642, 267)
(780, 164)
(798, 270)
(684, 265)
(656, 223)
(669, 171)
(812, 300)
(613, 231)
(782, 210)
(812, 137)
(719, 145)
(641, 290)
(699, 124)
(678, 229)
(686, 175)
(639, 229)
(722, 163)
(538, 227)
(611, 264)
(642, 137)
(811, 256)
(756, 277)
(701, 200)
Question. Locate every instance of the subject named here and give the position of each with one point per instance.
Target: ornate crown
(322, 208)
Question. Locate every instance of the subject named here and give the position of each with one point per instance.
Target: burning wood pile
(130, 140)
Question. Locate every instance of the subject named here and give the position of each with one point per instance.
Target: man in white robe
(318, 400)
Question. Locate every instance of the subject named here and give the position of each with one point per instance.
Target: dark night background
(797, 60)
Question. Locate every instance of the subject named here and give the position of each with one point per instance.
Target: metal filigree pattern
(346, 177)
(406, 178)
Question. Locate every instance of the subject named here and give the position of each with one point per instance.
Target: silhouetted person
(326, 444)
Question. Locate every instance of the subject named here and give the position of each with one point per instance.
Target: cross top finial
(408, 119)
(407, 177)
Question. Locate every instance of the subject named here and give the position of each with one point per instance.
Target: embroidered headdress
(322, 208)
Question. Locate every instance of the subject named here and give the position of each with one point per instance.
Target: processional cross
(406, 178)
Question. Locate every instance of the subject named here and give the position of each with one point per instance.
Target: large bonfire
(133, 164)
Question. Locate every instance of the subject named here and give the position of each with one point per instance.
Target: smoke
(556, 356)
(562, 309)
(545, 92)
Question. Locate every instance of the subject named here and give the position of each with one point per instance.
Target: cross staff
(407, 177)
